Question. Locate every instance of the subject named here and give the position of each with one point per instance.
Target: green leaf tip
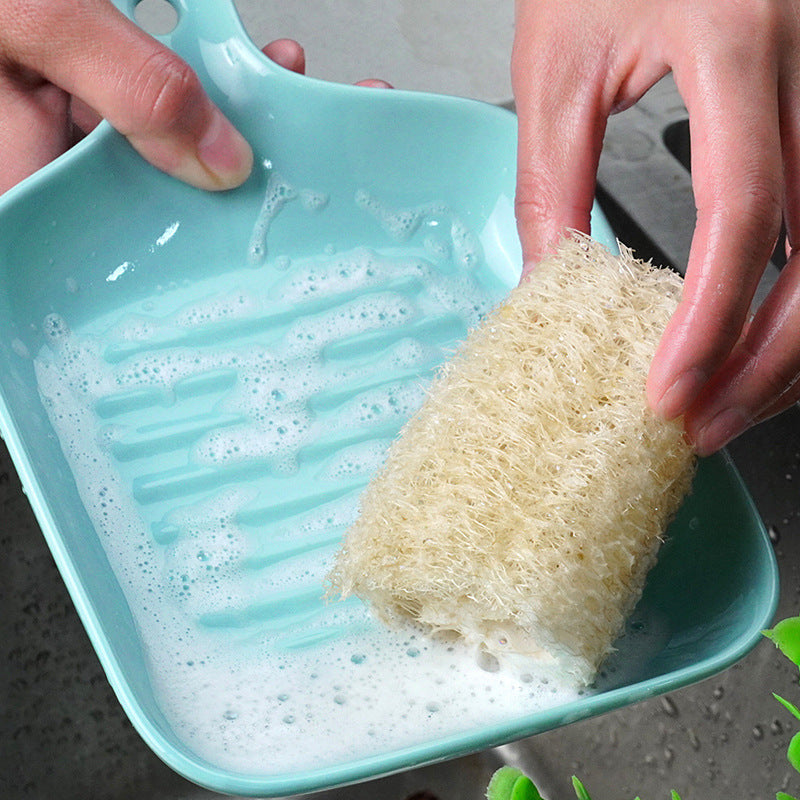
(790, 707)
(786, 637)
(580, 790)
(510, 783)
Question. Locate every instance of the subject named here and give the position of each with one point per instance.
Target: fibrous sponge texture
(523, 506)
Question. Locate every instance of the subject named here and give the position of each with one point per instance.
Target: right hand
(737, 66)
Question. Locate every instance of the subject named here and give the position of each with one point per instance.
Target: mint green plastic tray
(100, 232)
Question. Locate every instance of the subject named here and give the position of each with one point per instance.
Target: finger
(561, 121)
(565, 92)
(737, 176)
(374, 83)
(84, 117)
(30, 105)
(760, 378)
(288, 54)
(789, 99)
(142, 88)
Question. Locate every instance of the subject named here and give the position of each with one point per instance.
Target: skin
(104, 66)
(737, 66)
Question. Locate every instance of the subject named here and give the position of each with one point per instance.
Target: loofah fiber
(523, 506)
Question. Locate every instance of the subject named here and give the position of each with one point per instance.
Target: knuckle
(163, 91)
(535, 199)
(758, 206)
(534, 206)
(775, 374)
(541, 198)
(712, 317)
(749, 207)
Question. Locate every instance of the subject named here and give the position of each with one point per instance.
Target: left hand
(64, 64)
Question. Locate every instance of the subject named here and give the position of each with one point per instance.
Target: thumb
(143, 89)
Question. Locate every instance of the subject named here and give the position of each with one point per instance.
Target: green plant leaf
(786, 636)
(580, 791)
(793, 753)
(675, 795)
(510, 783)
(784, 796)
(787, 705)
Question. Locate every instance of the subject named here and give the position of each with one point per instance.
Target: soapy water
(220, 446)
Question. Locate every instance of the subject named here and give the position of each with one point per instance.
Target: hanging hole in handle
(157, 17)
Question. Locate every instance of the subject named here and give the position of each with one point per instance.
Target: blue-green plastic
(80, 220)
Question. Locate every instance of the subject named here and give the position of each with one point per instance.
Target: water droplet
(339, 699)
(358, 658)
(758, 732)
(289, 719)
(668, 706)
(774, 534)
(230, 714)
(719, 692)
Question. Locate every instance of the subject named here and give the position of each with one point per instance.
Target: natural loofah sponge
(524, 504)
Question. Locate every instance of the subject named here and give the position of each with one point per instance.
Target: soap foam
(221, 538)
(277, 194)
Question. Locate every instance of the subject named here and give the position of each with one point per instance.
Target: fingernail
(225, 153)
(679, 396)
(722, 428)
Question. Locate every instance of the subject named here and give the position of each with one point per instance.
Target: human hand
(737, 66)
(64, 64)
